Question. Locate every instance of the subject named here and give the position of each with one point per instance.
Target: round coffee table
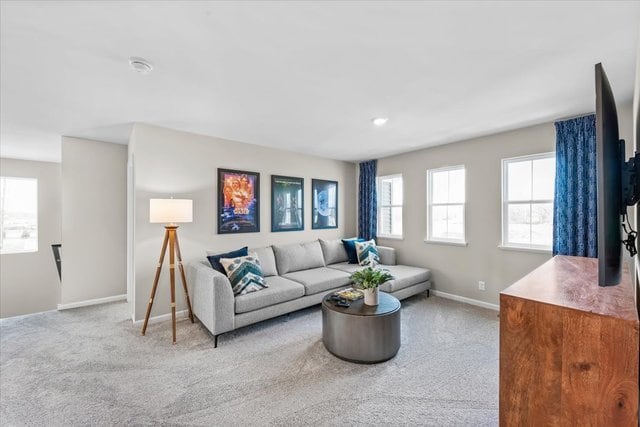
(361, 333)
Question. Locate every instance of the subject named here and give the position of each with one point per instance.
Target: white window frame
(37, 248)
(430, 238)
(379, 207)
(505, 204)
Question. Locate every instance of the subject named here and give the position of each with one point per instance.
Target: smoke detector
(140, 65)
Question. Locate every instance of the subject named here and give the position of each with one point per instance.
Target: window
(18, 215)
(527, 201)
(390, 206)
(445, 204)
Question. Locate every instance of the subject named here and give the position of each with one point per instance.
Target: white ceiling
(304, 76)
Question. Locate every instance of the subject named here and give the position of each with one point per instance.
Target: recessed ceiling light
(140, 65)
(379, 121)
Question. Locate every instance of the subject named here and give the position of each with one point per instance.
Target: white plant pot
(371, 296)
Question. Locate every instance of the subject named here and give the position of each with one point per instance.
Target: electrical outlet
(481, 285)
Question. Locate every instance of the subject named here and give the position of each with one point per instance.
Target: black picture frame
(238, 201)
(287, 203)
(324, 204)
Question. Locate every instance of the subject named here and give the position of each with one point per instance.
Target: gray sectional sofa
(298, 275)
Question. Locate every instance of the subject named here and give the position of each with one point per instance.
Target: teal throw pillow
(245, 274)
(367, 253)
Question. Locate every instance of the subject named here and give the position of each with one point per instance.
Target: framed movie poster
(324, 205)
(287, 203)
(238, 201)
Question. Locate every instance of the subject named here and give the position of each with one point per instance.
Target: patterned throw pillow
(245, 274)
(367, 253)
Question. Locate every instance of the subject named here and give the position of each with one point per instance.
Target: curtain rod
(577, 116)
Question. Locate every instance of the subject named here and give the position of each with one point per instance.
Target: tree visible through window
(18, 215)
(390, 206)
(527, 201)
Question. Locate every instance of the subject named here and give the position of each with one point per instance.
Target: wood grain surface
(568, 348)
(572, 282)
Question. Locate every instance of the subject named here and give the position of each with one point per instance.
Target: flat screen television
(618, 186)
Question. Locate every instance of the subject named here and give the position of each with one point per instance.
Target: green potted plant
(368, 279)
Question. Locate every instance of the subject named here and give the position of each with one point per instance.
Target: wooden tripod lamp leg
(155, 281)
(184, 279)
(172, 276)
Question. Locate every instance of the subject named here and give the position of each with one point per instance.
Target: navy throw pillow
(214, 260)
(350, 247)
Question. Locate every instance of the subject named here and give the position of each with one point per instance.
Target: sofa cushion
(346, 267)
(214, 259)
(298, 256)
(367, 253)
(279, 290)
(404, 276)
(350, 247)
(320, 279)
(245, 274)
(267, 260)
(333, 251)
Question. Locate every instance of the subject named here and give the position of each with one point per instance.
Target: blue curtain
(575, 229)
(367, 200)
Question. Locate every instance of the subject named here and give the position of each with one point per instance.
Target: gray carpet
(91, 366)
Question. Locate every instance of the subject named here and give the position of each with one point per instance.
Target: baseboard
(96, 301)
(182, 314)
(17, 316)
(466, 300)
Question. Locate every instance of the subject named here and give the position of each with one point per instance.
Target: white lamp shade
(170, 210)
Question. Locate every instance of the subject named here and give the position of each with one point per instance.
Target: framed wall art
(238, 201)
(287, 203)
(324, 209)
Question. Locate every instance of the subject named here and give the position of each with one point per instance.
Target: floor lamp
(170, 212)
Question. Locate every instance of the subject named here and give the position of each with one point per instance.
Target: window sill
(382, 236)
(524, 249)
(446, 242)
(19, 252)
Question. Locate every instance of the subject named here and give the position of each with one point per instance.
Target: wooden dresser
(568, 348)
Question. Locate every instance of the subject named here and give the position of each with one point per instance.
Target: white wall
(184, 165)
(29, 281)
(94, 216)
(456, 269)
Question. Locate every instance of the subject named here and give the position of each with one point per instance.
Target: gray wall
(172, 163)
(29, 281)
(457, 269)
(636, 141)
(94, 208)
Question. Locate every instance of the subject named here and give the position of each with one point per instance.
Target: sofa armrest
(387, 255)
(212, 297)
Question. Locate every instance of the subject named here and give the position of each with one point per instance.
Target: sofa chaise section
(405, 277)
